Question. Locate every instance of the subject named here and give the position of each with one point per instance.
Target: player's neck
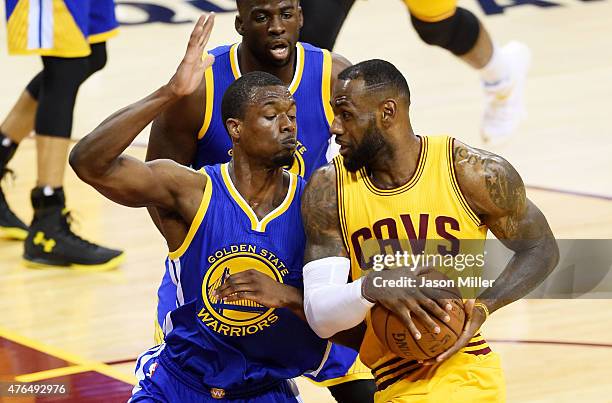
(248, 63)
(397, 165)
(262, 187)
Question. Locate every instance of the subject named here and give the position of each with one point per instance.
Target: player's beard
(371, 145)
(283, 160)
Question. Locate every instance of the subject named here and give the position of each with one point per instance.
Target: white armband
(330, 303)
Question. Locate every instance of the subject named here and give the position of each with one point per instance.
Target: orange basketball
(397, 338)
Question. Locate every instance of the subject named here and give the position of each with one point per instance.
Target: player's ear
(300, 17)
(233, 128)
(239, 25)
(389, 110)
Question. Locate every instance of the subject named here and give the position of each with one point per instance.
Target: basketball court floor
(86, 329)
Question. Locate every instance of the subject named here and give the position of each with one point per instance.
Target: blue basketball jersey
(310, 88)
(238, 346)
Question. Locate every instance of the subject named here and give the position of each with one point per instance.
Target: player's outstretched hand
(254, 286)
(405, 302)
(190, 72)
(475, 318)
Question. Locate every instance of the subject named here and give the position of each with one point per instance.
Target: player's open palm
(190, 72)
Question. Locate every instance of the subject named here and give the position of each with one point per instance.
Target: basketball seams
(390, 342)
(447, 325)
(416, 343)
(418, 348)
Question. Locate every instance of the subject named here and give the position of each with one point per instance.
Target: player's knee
(61, 80)
(457, 33)
(33, 86)
(64, 75)
(97, 59)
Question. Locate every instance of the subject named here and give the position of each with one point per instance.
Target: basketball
(228, 222)
(397, 338)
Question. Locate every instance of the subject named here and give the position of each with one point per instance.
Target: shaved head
(378, 76)
(245, 91)
(371, 101)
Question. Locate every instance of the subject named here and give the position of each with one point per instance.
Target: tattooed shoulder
(489, 182)
(320, 215)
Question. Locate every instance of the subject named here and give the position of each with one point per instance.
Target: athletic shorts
(463, 378)
(61, 28)
(431, 10)
(157, 384)
(342, 365)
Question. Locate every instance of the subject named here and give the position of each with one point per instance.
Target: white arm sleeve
(331, 305)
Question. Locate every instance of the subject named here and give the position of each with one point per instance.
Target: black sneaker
(11, 227)
(51, 242)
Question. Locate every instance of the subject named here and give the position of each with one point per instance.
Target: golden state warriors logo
(242, 317)
(298, 167)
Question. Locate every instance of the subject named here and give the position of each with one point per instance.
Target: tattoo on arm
(461, 153)
(320, 216)
(504, 192)
(505, 187)
(497, 193)
(507, 192)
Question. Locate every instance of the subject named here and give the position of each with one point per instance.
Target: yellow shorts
(158, 333)
(357, 371)
(463, 378)
(60, 28)
(431, 10)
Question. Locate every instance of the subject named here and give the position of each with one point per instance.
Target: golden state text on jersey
(243, 317)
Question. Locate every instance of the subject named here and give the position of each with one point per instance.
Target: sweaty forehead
(349, 92)
(271, 94)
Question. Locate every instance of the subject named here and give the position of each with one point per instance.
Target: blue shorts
(60, 28)
(157, 384)
(342, 365)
